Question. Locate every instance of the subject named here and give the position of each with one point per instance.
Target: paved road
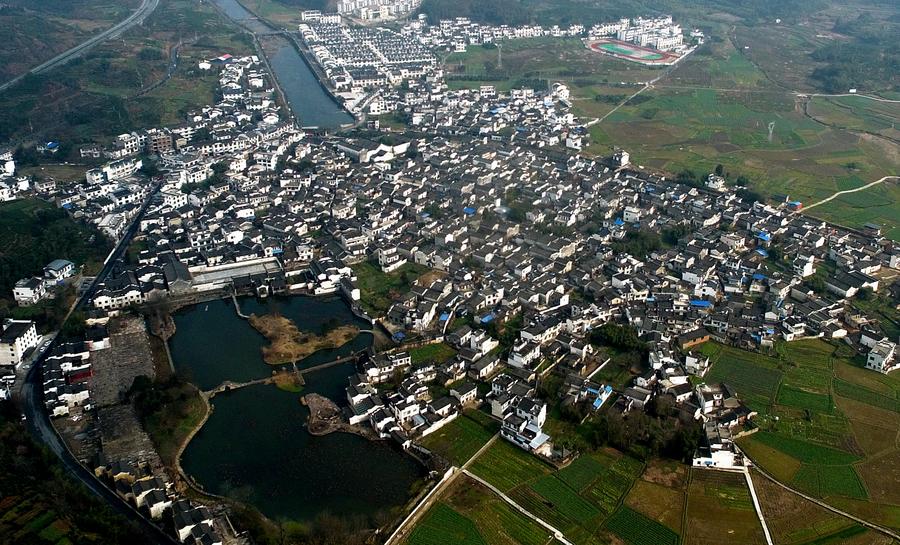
(145, 9)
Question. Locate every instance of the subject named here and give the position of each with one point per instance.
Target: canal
(255, 447)
(309, 101)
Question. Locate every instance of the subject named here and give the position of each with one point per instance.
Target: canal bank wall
(310, 62)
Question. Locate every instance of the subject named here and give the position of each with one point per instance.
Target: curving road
(145, 9)
(41, 428)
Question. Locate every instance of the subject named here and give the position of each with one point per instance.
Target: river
(255, 447)
(309, 101)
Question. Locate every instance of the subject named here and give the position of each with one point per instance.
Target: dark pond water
(254, 447)
(213, 344)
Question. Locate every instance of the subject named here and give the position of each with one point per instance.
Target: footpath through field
(820, 503)
(556, 533)
(839, 193)
(413, 517)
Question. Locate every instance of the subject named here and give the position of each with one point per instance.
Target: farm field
(469, 513)
(832, 428)
(719, 505)
(716, 106)
(576, 499)
(660, 493)
(794, 520)
(461, 438)
(755, 377)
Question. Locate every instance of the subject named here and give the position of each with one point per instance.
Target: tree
(865, 293)
(720, 170)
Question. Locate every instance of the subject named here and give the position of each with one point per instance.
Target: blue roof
(759, 276)
(762, 252)
(399, 335)
(489, 317)
(762, 235)
(795, 203)
(700, 303)
(445, 317)
(619, 221)
(469, 210)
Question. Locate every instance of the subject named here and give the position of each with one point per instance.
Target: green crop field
(477, 511)
(870, 397)
(806, 451)
(754, 376)
(827, 481)
(442, 525)
(581, 473)
(461, 438)
(563, 499)
(506, 466)
(802, 399)
(636, 529)
(719, 504)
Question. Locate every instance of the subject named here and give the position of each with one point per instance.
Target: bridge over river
(229, 385)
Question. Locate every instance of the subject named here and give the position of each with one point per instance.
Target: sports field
(631, 52)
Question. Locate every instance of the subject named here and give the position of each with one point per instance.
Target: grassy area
(431, 353)
(379, 290)
(460, 440)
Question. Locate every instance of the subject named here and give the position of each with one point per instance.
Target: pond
(255, 447)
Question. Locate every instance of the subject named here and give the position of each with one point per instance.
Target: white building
(17, 337)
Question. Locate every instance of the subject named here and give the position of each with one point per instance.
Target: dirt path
(410, 521)
(556, 533)
(839, 193)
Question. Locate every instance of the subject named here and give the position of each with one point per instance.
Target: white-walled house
(17, 337)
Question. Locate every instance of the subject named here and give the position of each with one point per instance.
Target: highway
(38, 422)
(145, 9)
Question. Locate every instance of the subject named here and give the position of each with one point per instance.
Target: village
(530, 248)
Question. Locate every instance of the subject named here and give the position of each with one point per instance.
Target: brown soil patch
(666, 473)
(881, 476)
(790, 517)
(288, 344)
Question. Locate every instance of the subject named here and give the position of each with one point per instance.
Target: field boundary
(557, 534)
(758, 507)
(824, 505)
